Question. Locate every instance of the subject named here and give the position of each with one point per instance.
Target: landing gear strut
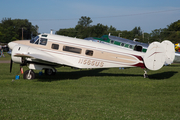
(145, 73)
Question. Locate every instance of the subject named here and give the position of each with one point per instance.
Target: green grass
(91, 94)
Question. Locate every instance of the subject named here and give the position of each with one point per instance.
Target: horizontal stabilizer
(169, 51)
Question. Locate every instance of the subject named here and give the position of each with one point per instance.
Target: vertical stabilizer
(159, 54)
(155, 56)
(169, 51)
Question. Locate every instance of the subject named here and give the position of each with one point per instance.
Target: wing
(36, 55)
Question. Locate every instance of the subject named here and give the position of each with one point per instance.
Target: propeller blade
(11, 65)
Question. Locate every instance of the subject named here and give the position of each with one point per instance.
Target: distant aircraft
(177, 47)
(48, 51)
(130, 44)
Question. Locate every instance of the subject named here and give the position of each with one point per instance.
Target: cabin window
(138, 48)
(55, 46)
(72, 49)
(89, 52)
(43, 41)
(112, 41)
(122, 44)
(130, 46)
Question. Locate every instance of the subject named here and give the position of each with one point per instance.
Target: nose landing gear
(29, 74)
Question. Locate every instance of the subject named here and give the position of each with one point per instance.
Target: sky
(121, 14)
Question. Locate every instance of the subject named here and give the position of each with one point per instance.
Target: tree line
(16, 29)
(84, 29)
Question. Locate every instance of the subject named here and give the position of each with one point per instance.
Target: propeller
(11, 65)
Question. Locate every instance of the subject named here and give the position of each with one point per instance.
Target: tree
(173, 31)
(85, 21)
(174, 26)
(12, 29)
(99, 30)
(83, 27)
(71, 32)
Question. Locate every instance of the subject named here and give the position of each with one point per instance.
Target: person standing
(2, 52)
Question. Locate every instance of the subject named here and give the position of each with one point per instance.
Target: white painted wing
(36, 55)
(45, 58)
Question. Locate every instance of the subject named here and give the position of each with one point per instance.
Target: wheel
(29, 74)
(49, 72)
(145, 76)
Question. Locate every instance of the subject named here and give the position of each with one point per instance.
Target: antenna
(119, 34)
(51, 31)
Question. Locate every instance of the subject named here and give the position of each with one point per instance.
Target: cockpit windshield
(34, 39)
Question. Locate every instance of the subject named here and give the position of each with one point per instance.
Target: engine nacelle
(17, 59)
(18, 49)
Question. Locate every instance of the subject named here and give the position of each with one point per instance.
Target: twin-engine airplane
(48, 51)
(130, 44)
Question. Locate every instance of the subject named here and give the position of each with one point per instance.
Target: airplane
(48, 51)
(130, 44)
(177, 47)
(119, 41)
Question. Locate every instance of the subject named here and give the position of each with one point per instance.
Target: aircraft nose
(11, 45)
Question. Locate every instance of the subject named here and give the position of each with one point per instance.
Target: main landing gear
(29, 74)
(50, 72)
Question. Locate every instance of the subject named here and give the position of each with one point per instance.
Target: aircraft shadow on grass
(75, 75)
(163, 75)
(79, 74)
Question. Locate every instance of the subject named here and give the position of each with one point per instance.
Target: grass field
(91, 94)
(7, 57)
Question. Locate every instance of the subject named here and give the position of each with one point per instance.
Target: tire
(145, 76)
(31, 75)
(48, 72)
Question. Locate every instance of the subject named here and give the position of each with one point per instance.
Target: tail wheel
(29, 74)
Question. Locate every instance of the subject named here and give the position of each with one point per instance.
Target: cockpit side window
(43, 41)
(36, 42)
(34, 39)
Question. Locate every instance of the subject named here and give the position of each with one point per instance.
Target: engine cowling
(19, 49)
(17, 59)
